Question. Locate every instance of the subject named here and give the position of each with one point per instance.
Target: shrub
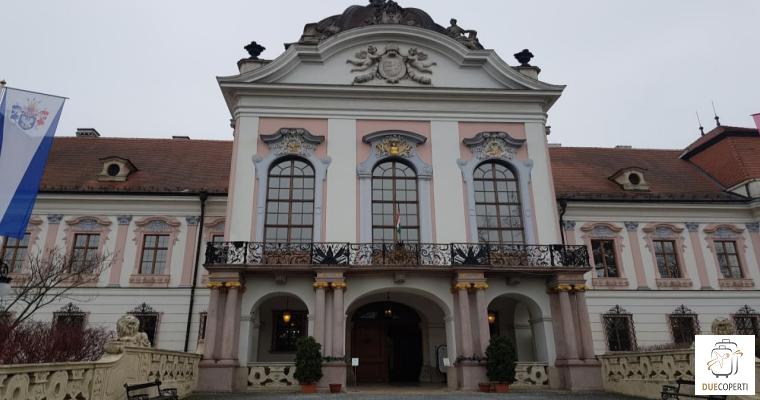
(501, 360)
(308, 360)
(38, 342)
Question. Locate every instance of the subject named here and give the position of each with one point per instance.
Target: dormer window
(116, 169)
(631, 179)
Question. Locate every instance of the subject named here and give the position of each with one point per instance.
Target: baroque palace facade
(390, 191)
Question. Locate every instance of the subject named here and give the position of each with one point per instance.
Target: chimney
(87, 132)
(623, 146)
(178, 137)
(756, 117)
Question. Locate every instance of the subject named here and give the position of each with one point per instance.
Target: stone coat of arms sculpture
(391, 65)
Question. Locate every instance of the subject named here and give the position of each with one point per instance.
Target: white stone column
(339, 317)
(340, 208)
(448, 193)
(319, 314)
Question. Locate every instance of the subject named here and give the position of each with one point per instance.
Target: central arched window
(290, 202)
(395, 210)
(497, 204)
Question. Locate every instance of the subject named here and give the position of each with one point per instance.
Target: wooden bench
(673, 392)
(165, 394)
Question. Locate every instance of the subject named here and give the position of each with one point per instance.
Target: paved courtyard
(390, 393)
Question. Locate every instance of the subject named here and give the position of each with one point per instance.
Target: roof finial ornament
(254, 49)
(717, 118)
(701, 128)
(524, 57)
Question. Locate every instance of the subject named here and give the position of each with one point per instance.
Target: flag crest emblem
(29, 115)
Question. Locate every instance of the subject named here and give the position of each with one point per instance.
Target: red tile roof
(584, 172)
(730, 155)
(163, 165)
(176, 166)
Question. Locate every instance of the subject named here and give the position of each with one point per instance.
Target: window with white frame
(15, 252)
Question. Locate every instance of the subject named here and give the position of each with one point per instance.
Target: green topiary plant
(308, 361)
(501, 360)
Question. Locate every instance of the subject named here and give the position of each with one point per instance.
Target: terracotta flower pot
(308, 388)
(501, 387)
(335, 387)
(484, 387)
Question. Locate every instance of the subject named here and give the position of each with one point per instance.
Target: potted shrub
(308, 364)
(500, 366)
(335, 387)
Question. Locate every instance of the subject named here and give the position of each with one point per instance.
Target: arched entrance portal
(388, 342)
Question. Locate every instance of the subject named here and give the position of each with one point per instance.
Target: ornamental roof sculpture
(384, 12)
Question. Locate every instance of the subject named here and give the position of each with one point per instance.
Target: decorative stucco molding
(391, 65)
(293, 141)
(487, 145)
(753, 227)
(631, 226)
(124, 219)
(400, 145)
(54, 218)
(732, 233)
(604, 230)
(87, 225)
(154, 225)
(664, 231)
(285, 142)
(568, 225)
(499, 146)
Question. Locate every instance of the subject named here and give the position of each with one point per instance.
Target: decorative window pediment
(395, 143)
(631, 178)
(493, 145)
(116, 169)
(292, 141)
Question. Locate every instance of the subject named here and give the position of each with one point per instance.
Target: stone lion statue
(722, 326)
(128, 332)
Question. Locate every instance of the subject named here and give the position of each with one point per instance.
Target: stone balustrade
(102, 379)
(531, 375)
(272, 376)
(642, 374)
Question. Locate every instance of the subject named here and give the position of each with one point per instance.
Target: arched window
(395, 211)
(290, 202)
(497, 204)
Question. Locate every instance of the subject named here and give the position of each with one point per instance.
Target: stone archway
(398, 336)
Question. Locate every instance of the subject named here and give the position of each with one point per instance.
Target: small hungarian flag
(398, 221)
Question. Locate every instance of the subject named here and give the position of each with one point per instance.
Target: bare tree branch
(49, 278)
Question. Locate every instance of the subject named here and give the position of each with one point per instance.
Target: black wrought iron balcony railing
(396, 254)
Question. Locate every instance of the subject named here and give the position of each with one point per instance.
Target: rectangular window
(605, 258)
(747, 324)
(684, 327)
(619, 331)
(15, 252)
(85, 251)
(286, 331)
(667, 260)
(154, 253)
(69, 320)
(728, 259)
(148, 324)
(202, 326)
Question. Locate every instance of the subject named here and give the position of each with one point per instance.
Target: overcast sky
(636, 71)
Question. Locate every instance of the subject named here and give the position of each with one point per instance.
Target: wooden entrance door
(368, 343)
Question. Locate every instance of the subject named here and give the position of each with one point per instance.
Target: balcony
(394, 255)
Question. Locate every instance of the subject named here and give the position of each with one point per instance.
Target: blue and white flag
(27, 124)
